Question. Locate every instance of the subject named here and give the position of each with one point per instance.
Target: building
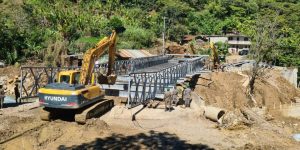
(217, 38)
(236, 42)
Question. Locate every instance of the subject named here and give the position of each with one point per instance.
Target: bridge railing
(147, 85)
(33, 78)
(123, 67)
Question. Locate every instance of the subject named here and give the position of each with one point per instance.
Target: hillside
(42, 29)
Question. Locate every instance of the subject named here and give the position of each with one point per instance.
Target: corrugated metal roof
(134, 53)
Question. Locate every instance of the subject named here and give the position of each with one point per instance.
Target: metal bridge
(140, 79)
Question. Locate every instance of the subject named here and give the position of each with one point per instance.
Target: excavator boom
(215, 55)
(93, 54)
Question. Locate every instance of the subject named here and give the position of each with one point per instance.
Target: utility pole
(164, 36)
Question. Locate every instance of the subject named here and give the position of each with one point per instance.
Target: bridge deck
(155, 68)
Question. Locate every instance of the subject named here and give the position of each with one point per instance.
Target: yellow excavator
(214, 56)
(76, 91)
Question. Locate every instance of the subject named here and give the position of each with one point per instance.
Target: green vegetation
(45, 28)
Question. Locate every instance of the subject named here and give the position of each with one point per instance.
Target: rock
(269, 117)
(10, 81)
(234, 120)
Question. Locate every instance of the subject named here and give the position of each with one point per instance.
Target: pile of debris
(227, 103)
(9, 84)
(228, 90)
(176, 49)
(238, 118)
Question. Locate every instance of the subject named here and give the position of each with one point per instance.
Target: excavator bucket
(104, 79)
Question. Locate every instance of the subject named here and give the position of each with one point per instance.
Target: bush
(116, 24)
(141, 37)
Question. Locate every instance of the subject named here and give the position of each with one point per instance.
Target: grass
(91, 40)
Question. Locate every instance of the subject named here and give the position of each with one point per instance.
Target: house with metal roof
(132, 53)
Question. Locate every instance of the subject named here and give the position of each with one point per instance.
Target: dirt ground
(182, 128)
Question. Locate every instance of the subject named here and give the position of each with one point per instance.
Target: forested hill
(44, 28)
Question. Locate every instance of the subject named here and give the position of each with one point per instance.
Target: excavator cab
(69, 77)
(72, 77)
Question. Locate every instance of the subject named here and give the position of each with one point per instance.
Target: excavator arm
(112, 53)
(193, 51)
(93, 54)
(215, 55)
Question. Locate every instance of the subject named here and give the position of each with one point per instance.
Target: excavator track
(46, 115)
(95, 110)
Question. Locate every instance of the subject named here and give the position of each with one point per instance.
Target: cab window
(65, 79)
(76, 78)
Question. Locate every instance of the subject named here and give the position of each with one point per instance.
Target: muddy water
(9, 99)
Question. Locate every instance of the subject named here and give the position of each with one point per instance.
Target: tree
(222, 48)
(264, 34)
(116, 24)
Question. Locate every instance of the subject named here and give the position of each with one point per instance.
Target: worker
(168, 100)
(2, 94)
(187, 96)
(174, 97)
(16, 89)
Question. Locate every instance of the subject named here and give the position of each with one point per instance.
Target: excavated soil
(32, 133)
(227, 90)
(10, 71)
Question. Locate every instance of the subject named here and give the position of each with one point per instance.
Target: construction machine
(192, 49)
(76, 90)
(214, 56)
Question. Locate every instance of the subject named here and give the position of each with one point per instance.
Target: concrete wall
(290, 74)
(216, 39)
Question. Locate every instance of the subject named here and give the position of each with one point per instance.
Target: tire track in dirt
(22, 133)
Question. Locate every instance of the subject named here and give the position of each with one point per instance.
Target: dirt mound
(274, 90)
(50, 134)
(91, 123)
(10, 71)
(227, 90)
(176, 49)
